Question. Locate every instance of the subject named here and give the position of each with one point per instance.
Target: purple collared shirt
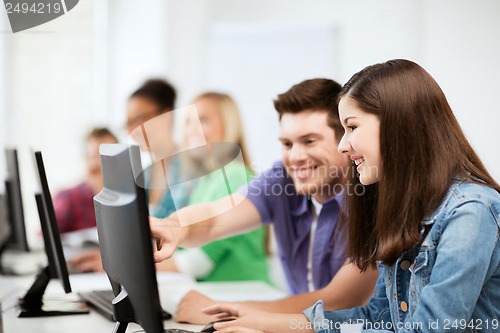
(274, 196)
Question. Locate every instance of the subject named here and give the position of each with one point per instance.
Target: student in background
(241, 257)
(426, 207)
(74, 207)
(300, 196)
(154, 98)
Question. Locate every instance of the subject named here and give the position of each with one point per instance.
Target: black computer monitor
(125, 240)
(14, 204)
(32, 304)
(4, 223)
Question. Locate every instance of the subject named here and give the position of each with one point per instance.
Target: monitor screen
(4, 226)
(32, 304)
(4, 223)
(14, 203)
(125, 240)
(48, 219)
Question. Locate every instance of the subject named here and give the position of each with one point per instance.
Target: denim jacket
(453, 285)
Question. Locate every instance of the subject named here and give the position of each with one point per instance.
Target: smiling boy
(300, 196)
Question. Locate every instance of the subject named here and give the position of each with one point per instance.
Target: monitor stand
(31, 304)
(123, 311)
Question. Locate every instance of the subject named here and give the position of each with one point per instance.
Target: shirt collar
(303, 205)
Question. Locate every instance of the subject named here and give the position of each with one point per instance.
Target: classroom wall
(456, 41)
(59, 79)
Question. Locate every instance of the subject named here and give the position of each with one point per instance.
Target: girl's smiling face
(361, 140)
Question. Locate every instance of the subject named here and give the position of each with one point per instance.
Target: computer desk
(171, 286)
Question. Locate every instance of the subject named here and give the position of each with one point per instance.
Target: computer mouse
(165, 315)
(210, 327)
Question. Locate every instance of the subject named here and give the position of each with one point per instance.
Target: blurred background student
(155, 98)
(74, 207)
(241, 257)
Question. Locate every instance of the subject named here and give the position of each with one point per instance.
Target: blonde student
(217, 127)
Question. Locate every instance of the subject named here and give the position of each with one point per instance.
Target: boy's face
(139, 111)
(310, 156)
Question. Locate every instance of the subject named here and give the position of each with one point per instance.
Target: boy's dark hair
(312, 95)
(159, 92)
(100, 132)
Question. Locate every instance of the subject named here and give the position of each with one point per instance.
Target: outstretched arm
(253, 321)
(349, 288)
(89, 261)
(197, 225)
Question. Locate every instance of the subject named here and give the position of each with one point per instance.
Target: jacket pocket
(421, 270)
(421, 261)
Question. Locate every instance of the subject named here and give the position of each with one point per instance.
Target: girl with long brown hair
(420, 203)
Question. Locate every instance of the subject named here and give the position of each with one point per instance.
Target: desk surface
(171, 287)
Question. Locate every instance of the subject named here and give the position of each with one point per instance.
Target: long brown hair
(422, 149)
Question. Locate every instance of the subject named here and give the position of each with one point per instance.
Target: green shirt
(241, 257)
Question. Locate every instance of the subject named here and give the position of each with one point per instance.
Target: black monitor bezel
(32, 304)
(13, 193)
(4, 224)
(55, 250)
